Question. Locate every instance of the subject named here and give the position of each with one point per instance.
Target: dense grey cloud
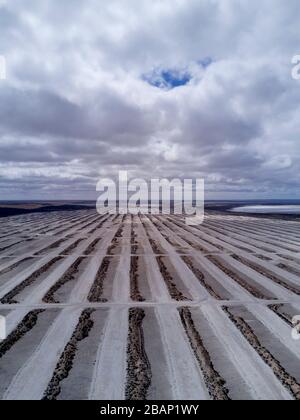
(173, 88)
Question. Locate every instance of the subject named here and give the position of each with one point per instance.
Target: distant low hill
(15, 209)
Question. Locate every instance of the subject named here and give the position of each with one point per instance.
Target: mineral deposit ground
(146, 307)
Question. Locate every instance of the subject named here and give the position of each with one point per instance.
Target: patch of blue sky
(168, 79)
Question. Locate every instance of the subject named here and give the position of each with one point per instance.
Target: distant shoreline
(16, 208)
(226, 209)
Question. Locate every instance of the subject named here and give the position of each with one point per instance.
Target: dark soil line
(201, 277)
(234, 276)
(91, 248)
(155, 247)
(139, 373)
(267, 273)
(75, 226)
(195, 246)
(13, 266)
(26, 325)
(67, 277)
(213, 380)
(115, 241)
(157, 250)
(99, 226)
(133, 241)
(285, 378)
(89, 224)
(289, 269)
(219, 247)
(174, 292)
(65, 363)
(286, 318)
(51, 247)
(9, 297)
(134, 280)
(95, 294)
(288, 258)
(73, 246)
(271, 251)
(265, 240)
(263, 257)
(14, 244)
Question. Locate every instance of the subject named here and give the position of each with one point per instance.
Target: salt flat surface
(291, 209)
(146, 307)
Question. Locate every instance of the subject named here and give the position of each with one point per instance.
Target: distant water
(290, 209)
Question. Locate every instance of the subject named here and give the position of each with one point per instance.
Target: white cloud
(75, 102)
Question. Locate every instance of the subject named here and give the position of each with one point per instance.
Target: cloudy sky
(169, 88)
